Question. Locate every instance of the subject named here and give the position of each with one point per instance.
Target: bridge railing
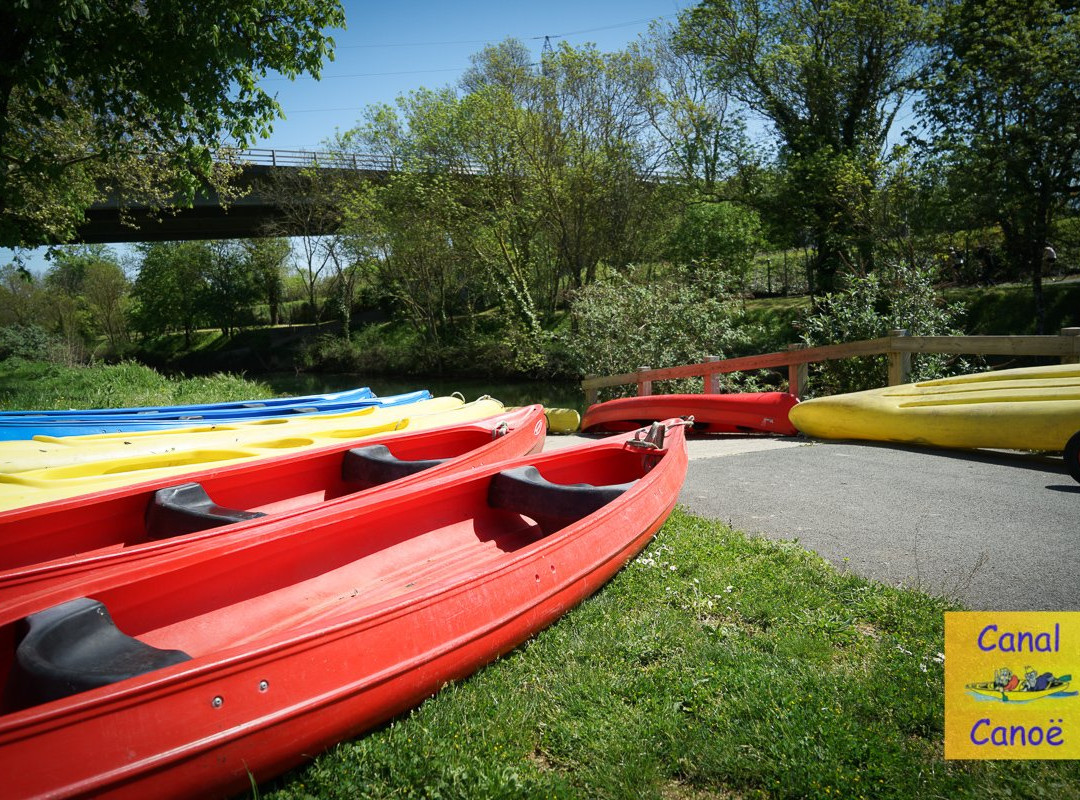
(361, 162)
(898, 346)
(274, 157)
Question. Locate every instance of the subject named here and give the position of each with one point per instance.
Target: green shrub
(30, 342)
(620, 326)
(718, 237)
(899, 297)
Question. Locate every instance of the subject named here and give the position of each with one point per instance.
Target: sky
(391, 47)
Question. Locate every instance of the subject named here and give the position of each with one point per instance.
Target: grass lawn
(714, 665)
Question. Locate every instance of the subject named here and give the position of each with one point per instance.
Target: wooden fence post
(644, 387)
(712, 379)
(1075, 358)
(899, 362)
(798, 374)
(590, 394)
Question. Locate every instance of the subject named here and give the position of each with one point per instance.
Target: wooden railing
(898, 346)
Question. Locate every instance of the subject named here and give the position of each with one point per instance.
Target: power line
(321, 110)
(547, 38)
(602, 28)
(410, 44)
(614, 26)
(375, 74)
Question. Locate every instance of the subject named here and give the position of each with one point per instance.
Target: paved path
(993, 530)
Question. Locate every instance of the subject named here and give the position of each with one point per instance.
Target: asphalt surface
(993, 530)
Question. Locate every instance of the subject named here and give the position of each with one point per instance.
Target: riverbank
(389, 353)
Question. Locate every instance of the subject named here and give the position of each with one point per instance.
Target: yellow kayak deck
(38, 471)
(1032, 408)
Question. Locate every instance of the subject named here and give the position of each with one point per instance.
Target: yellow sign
(1009, 687)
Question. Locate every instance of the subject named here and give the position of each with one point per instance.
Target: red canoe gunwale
(747, 412)
(205, 724)
(51, 543)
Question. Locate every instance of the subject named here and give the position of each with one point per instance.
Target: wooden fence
(898, 346)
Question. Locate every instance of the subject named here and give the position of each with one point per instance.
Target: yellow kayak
(1016, 696)
(1033, 408)
(53, 469)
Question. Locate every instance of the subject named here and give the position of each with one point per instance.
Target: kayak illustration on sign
(1008, 687)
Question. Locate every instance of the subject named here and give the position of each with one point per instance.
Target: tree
(1002, 103)
(268, 257)
(231, 285)
(170, 289)
(900, 296)
(718, 238)
(87, 291)
(308, 208)
(134, 97)
(105, 290)
(830, 77)
(693, 114)
(20, 296)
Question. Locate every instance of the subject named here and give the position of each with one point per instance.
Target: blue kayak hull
(234, 406)
(27, 427)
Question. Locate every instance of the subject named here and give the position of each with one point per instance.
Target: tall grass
(40, 385)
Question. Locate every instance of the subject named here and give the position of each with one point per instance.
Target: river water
(510, 393)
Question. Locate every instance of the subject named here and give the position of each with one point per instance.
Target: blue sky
(391, 47)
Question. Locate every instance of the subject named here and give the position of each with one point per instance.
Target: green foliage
(88, 90)
(182, 285)
(28, 342)
(619, 325)
(511, 195)
(830, 78)
(170, 289)
(38, 385)
(20, 298)
(722, 237)
(267, 257)
(868, 308)
(1002, 108)
(232, 285)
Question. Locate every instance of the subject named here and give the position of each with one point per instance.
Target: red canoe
(750, 412)
(183, 675)
(56, 542)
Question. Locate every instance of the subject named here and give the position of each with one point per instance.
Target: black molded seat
(527, 492)
(375, 465)
(187, 508)
(76, 646)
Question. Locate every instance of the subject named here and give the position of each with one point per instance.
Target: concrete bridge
(256, 214)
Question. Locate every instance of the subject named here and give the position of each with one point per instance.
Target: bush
(899, 297)
(719, 237)
(619, 326)
(30, 342)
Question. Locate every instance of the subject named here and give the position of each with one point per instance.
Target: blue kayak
(14, 428)
(346, 396)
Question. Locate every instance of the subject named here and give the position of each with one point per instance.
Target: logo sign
(1009, 686)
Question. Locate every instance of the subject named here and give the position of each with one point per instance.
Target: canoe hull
(47, 471)
(27, 427)
(51, 543)
(1035, 408)
(346, 396)
(259, 708)
(750, 412)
